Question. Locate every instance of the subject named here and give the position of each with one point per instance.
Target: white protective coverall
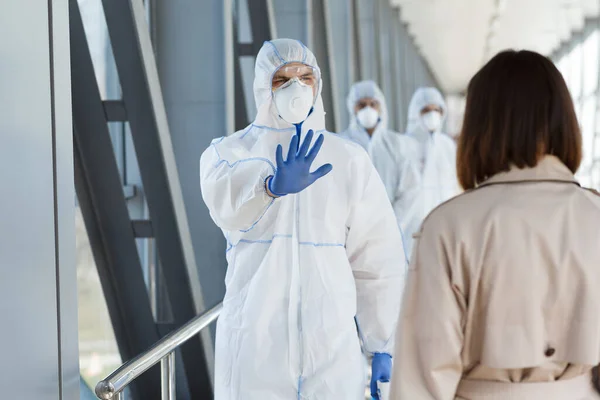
(300, 267)
(394, 155)
(435, 160)
(355, 132)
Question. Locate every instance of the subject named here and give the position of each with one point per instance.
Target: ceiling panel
(457, 37)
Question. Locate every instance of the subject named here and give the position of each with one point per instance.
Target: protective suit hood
(273, 55)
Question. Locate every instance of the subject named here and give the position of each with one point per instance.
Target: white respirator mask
(294, 101)
(432, 121)
(368, 117)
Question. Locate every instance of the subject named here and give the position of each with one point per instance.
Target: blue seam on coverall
(272, 129)
(276, 51)
(304, 53)
(247, 130)
(259, 219)
(268, 128)
(243, 160)
(321, 244)
(231, 246)
(259, 241)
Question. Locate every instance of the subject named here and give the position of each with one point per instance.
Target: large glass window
(98, 352)
(96, 32)
(580, 67)
(575, 71)
(590, 66)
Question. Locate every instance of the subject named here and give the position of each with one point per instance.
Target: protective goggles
(288, 73)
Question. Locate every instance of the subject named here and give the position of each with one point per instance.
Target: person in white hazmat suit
(368, 113)
(308, 252)
(419, 174)
(393, 154)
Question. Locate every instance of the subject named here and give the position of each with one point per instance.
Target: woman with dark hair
(503, 294)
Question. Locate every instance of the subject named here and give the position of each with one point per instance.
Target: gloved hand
(381, 370)
(293, 175)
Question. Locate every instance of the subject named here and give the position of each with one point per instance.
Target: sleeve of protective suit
(429, 339)
(386, 166)
(233, 187)
(376, 255)
(405, 195)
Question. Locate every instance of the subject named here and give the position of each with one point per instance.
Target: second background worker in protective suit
(368, 113)
(424, 174)
(309, 248)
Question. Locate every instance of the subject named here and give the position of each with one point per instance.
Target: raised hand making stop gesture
(293, 174)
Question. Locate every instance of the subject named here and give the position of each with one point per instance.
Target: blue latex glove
(293, 175)
(381, 370)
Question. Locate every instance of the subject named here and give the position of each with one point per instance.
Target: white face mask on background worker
(367, 113)
(431, 118)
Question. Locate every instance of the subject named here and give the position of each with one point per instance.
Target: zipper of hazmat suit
(295, 319)
(296, 291)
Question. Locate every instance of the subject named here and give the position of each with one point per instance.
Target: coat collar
(549, 168)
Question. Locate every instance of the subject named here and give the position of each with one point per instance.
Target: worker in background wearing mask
(311, 245)
(368, 113)
(393, 154)
(437, 152)
(419, 172)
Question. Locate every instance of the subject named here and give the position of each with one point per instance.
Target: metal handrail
(162, 351)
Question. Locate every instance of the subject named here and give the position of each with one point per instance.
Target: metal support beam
(321, 49)
(242, 117)
(105, 213)
(340, 27)
(386, 66)
(294, 20)
(397, 46)
(252, 26)
(134, 57)
(356, 60)
(115, 111)
(407, 81)
(368, 40)
(246, 49)
(129, 191)
(142, 228)
(193, 77)
(262, 29)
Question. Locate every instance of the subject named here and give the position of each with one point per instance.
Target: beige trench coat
(503, 293)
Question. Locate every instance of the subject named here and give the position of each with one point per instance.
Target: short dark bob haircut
(518, 110)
